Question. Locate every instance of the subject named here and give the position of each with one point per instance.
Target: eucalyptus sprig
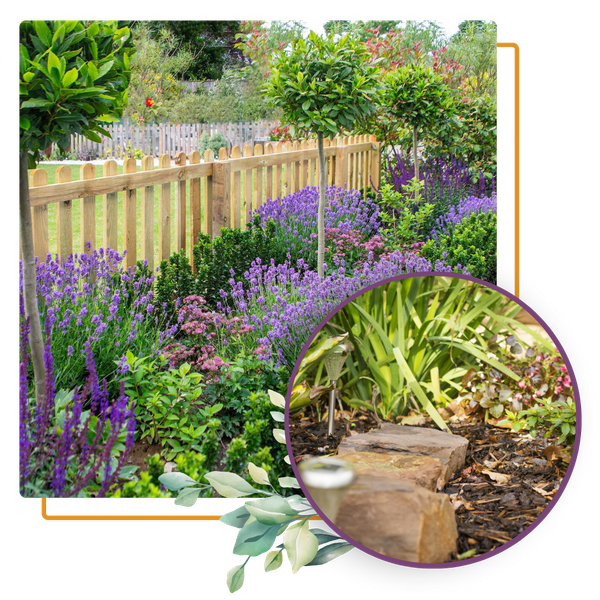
(261, 521)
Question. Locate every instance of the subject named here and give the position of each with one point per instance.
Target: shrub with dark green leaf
(234, 250)
(175, 281)
(212, 142)
(244, 376)
(470, 244)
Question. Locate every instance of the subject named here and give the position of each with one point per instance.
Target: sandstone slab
(399, 519)
(394, 439)
(420, 470)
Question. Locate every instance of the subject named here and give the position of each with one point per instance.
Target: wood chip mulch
(507, 482)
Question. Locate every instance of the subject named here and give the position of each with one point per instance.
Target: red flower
(149, 102)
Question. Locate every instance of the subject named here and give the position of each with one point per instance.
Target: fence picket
(64, 217)
(236, 192)
(164, 231)
(148, 216)
(195, 205)
(111, 203)
(269, 188)
(248, 151)
(88, 212)
(209, 157)
(278, 171)
(258, 182)
(180, 208)
(129, 215)
(39, 214)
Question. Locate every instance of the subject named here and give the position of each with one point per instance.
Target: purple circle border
(550, 505)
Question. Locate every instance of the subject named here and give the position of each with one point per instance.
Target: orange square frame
(48, 517)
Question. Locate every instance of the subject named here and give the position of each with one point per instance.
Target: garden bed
(197, 349)
(489, 512)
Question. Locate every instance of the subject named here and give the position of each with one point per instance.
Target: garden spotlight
(327, 480)
(334, 361)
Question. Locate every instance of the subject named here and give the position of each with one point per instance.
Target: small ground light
(327, 480)
(334, 361)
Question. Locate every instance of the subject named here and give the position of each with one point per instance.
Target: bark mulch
(507, 482)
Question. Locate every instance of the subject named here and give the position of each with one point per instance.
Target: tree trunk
(36, 341)
(415, 157)
(321, 214)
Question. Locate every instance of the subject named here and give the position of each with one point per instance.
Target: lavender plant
(285, 303)
(295, 217)
(90, 299)
(66, 451)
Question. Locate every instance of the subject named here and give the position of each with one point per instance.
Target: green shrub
(246, 375)
(214, 143)
(471, 244)
(168, 406)
(234, 249)
(175, 281)
(256, 443)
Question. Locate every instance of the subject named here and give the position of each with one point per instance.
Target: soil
(523, 475)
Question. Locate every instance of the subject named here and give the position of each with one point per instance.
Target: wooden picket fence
(208, 195)
(156, 139)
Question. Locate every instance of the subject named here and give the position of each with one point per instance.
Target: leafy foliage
(470, 244)
(212, 142)
(73, 74)
(263, 520)
(413, 342)
(322, 86)
(169, 409)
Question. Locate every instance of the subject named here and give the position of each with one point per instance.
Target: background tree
(73, 76)
(212, 43)
(323, 87)
(420, 98)
(157, 68)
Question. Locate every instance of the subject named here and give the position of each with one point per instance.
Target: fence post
(164, 241)
(195, 205)
(375, 162)
(88, 212)
(237, 192)
(248, 206)
(111, 202)
(258, 182)
(209, 157)
(221, 192)
(180, 159)
(341, 164)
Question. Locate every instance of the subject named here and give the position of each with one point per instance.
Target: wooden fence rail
(180, 202)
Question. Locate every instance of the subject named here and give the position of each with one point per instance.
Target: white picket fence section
(157, 139)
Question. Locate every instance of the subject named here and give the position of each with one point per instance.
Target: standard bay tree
(323, 87)
(73, 76)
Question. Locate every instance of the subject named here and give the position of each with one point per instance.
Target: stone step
(398, 519)
(404, 440)
(393, 507)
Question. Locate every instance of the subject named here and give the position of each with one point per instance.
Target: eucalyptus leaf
(235, 578)
(300, 544)
(330, 552)
(271, 511)
(229, 485)
(255, 539)
(188, 496)
(175, 481)
(273, 560)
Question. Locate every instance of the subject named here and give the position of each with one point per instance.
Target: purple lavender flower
(464, 208)
(55, 455)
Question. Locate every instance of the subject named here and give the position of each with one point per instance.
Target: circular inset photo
(432, 420)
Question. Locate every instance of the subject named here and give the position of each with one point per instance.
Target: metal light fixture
(334, 361)
(327, 479)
